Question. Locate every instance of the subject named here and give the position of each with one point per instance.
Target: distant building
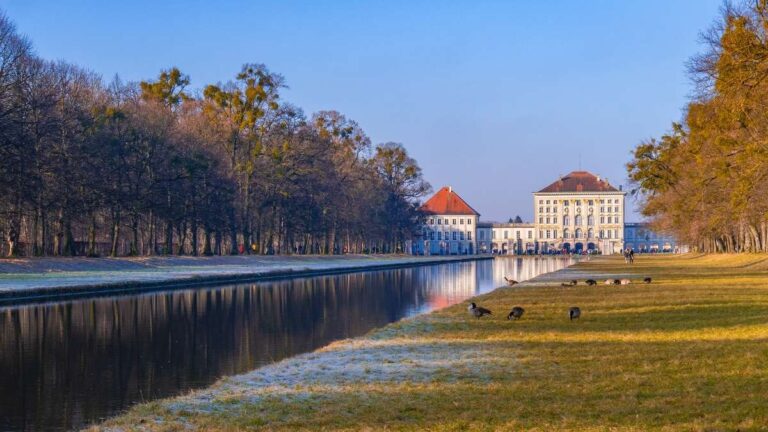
(579, 212)
(450, 225)
(506, 238)
(639, 237)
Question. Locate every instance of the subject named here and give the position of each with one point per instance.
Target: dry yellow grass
(688, 352)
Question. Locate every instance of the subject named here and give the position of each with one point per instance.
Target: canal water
(67, 364)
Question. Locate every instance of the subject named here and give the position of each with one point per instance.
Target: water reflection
(65, 364)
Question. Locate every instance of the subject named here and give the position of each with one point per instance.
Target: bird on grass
(510, 281)
(625, 282)
(647, 280)
(574, 282)
(574, 313)
(566, 284)
(609, 281)
(477, 311)
(617, 281)
(591, 282)
(516, 313)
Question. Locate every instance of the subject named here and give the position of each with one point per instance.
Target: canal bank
(53, 278)
(686, 352)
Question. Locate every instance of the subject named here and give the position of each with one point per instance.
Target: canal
(66, 364)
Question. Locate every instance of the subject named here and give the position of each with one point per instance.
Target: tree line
(92, 168)
(705, 180)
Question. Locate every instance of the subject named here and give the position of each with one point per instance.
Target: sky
(494, 98)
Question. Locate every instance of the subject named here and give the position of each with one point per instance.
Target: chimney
(598, 178)
(450, 189)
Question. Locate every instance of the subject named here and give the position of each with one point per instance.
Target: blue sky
(495, 98)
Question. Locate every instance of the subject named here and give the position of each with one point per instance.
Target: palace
(576, 213)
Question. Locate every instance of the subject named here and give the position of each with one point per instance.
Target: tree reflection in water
(65, 364)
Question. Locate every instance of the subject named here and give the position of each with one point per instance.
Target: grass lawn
(687, 352)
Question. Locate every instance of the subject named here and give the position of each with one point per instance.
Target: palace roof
(448, 202)
(580, 181)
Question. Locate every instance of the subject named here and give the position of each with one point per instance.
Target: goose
(516, 313)
(510, 281)
(566, 284)
(617, 282)
(647, 280)
(625, 282)
(591, 282)
(574, 313)
(574, 282)
(477, 311)
(609, 281)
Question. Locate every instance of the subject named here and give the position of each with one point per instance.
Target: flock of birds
(574, 312)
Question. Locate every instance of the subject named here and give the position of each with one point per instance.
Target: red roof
(580, 181)
(448, 202)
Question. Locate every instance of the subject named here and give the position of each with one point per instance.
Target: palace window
(446, 221)
(431, 221)
(432, 235)
(469, 235)
(566, 233)
(541, 209)
(565, 203)
(548, 233)
(602, 219)
(601, 234)
(547, 219)
(439, 221)
(566, 220)
(616, 233)
(506, 234)
(578, 233)
(591, 202)
(554, 209)
(461, 235)
(493, 234)
(554, 233)
(577, 219)
(454, 221)
(541, 201)
(590, 220)
(461, 221)
(547, 201)
(554, 202)
(615, 209)
(609, 233)
(578, 202)
(541, 219)
(455, 235)
(517, 234)
(615, 219)
(469, 221)
(439, 235)
(547, 209)
(590, 233)
(554, 219)
(541, 233)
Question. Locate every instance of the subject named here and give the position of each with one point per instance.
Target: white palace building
(578, 212)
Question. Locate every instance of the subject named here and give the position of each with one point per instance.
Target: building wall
(640, 238)
(509, 238)
(448, 235)
(579, 220)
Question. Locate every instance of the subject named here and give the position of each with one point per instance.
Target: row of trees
(152, 168)
(707, 180)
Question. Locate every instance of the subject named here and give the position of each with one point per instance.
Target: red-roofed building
(579, 211)
(450, 225)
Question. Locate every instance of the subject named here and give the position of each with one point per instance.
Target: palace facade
(578, 212)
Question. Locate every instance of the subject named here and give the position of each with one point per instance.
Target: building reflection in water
(66, 364)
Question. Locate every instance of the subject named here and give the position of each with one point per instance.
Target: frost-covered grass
(29, 273)
(687, 352)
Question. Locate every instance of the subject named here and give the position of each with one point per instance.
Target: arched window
(566, 233)
(590, 233)
(566, 220)
(577, 219)
(609, 233)
(601, 233)
(590, 220)
(578, 233)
